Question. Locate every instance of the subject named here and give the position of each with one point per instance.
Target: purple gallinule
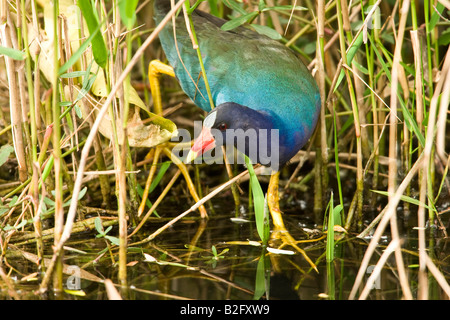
(256, 83)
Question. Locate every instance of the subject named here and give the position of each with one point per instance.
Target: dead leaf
(338, 228)
(140, 132)
(132, 263)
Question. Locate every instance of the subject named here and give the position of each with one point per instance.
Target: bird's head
(251, 131)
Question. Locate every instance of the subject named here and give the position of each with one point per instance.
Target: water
(181, 263)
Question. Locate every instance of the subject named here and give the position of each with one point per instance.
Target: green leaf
(127, 10)
(148, 203)
(74, 74)
(361, 68)
(436, 15)
(49, 202)
(406, 199)
(87, 85)
(114, 240)
(108, 229)
(330, 232)
(65, 103)
(337, 215)
(5, 151)
(223, 252)
(444, 38)
(78, 111)
(258, 200)
(261, 5)
(98, 225)
(234, 6)
(82, 193)
(262, 280)
(236, 22)
(98, 43)
(21, 224)
(213, 8)
(12, 53)
(350, 55)
(3, 211)
(13, 201)
(80, 196)
(409, 120)
(267, 31)
(161, 172)
(74, 58)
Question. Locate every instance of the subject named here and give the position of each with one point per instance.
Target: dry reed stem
(442, 118)
(335, 37)
(426, 177)
(14, 100)
(392, 168)
(85, 152)
(275, 19)
(423, 186)
(111, 290)
(157, 202)
(122, 186)
(194, 207)
(321, 82)
(9, 285)
(438, 276)
(389, 211)
(393, 245)
(156, 155)
(438, 124)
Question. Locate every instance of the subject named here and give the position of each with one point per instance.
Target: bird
(256, 83)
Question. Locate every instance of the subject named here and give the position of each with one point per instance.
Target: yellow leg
(280, 232)
(189, 182)
(155, 69)
(157, 152)
(273, 203)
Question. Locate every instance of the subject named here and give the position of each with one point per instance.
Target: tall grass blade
(258, 200)
(262, 279)
(74, 58)
(127, 10)
(236, 22)
(98, 43)
(12, 53)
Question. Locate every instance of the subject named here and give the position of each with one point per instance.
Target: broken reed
(382, 108)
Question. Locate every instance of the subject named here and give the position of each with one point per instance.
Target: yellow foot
(282, 238)
(280, 233)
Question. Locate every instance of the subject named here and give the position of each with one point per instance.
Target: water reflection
(220, 259)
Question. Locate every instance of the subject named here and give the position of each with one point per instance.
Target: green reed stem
(426, 12)
(56, 112)
(359, 177)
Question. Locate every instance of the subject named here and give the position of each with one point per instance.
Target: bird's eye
(223, 126)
